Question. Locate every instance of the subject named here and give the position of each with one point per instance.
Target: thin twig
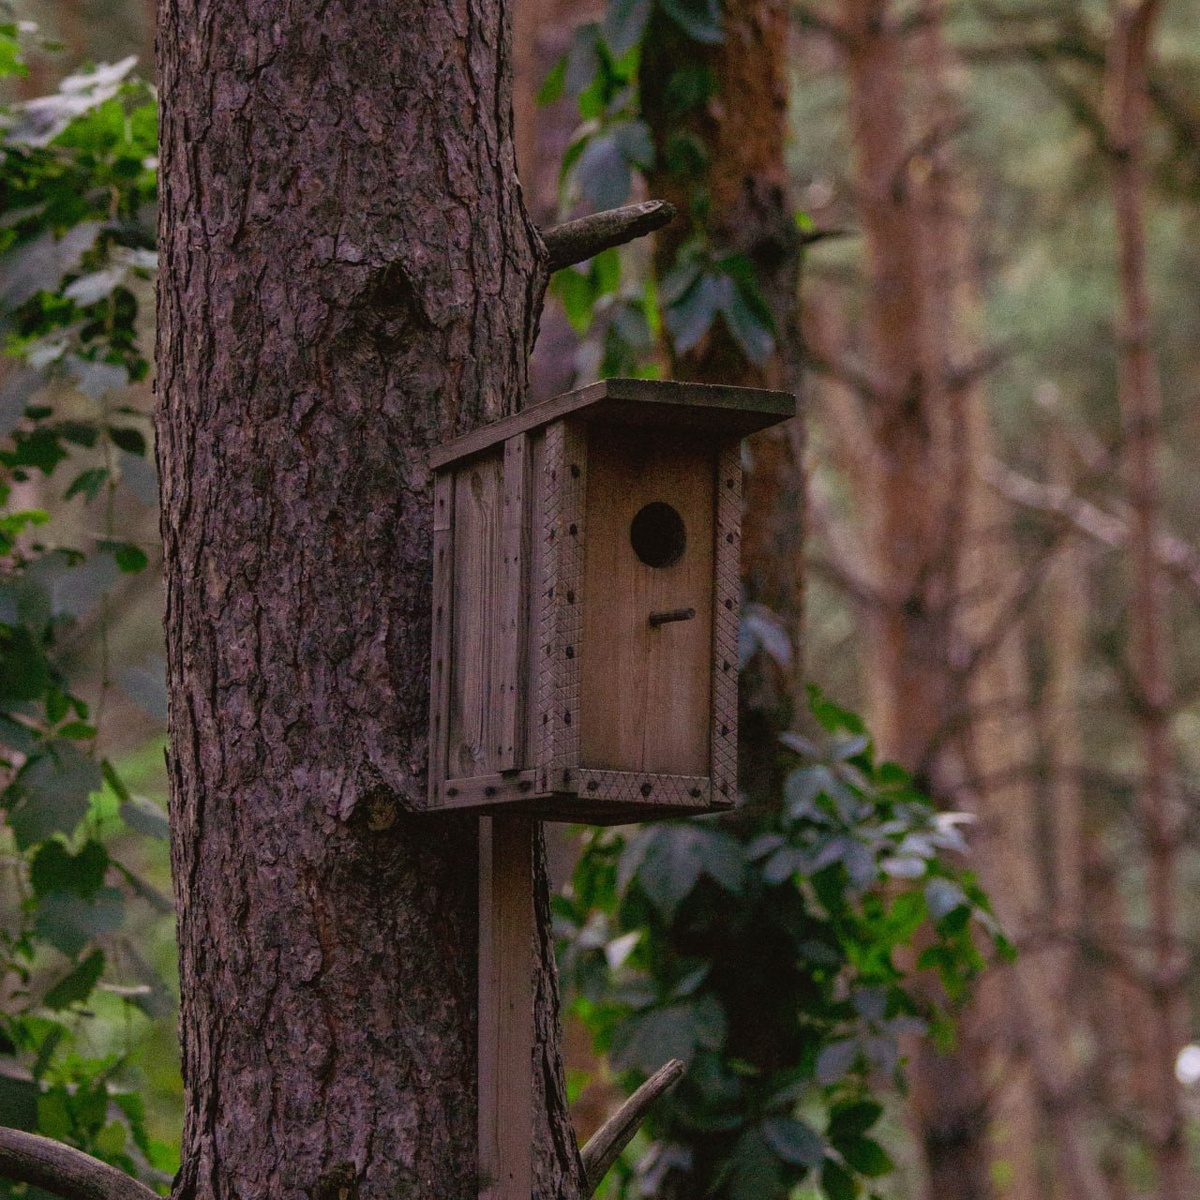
(577, 241)
(613, 1136)
(1176, 556)
(63, 1170)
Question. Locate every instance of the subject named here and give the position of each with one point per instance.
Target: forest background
(969, 248)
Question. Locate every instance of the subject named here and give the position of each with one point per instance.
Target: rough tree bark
(348, 277)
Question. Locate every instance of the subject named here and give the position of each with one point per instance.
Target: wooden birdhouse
(585, 622)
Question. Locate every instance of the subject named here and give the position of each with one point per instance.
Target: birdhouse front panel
(646, 673)
(585, 604)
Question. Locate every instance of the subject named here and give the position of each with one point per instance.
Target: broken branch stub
(577, 241)
(614, 1135)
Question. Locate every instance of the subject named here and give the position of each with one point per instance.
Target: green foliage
(767, 951)
(613, 144)
(77, 194)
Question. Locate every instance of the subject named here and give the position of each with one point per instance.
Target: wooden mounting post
(506, 966)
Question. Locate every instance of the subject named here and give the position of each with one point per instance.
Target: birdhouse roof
(726, 412)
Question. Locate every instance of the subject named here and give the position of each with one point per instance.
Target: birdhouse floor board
(603, 797)
(647, 403)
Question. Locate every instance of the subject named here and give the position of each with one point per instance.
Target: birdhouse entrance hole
(657, 535)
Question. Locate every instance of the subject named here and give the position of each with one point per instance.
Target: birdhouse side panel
(476, 737)
(726, 598)
(647, 637)
(563, 483)
(510, 650)
(441, 647)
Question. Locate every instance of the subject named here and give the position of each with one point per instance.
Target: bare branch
(577, 241)
(613, 1136)
(63, 1170)
(1176, 556)
(810, 237)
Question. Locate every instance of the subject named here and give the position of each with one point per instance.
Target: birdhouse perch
(586, 604)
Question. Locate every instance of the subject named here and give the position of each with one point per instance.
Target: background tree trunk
(348, 277)
(1140, 398)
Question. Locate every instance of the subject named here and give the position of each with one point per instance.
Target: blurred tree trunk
(348, 277)
(1066, 606)
(909, 517)
(1141, 415)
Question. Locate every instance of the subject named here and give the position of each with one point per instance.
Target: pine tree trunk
(1141, 414)
(913, 526)
(348, 277)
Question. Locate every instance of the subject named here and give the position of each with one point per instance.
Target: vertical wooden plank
(726, 598)
(562, 484)
(540, 676)
(565, 472)
(506, 950)
(443, 616)
(478, 524)
(510, 651)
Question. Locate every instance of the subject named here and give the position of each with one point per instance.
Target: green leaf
(77, 731)
(87, 483)
(752, 335)
(552, 86)
(145, 817)
(24, 671)
(77, 986)
(69, 922)
(130, 440)
(943, 896)
(18, 1102)
(836, 1182)
(635, 142)
(605, 269)
(624, 24)
(753, 1169)
(672, 858)
(691, 317)
(853, 1119)
(49, 794)
(830, 716)
(583, 60)
(58, 704)
(603, 172)
(56, 869)
(574, 288)
(54, 1115)
(645, 1041)
(835, 1060)
(795, 1141)
(866, 1156)
(114, 780)
(110, 1141)
(130, 558)
(699, 19)
(16, 736)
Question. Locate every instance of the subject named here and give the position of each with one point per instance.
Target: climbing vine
(613, 149)
(771, 952)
